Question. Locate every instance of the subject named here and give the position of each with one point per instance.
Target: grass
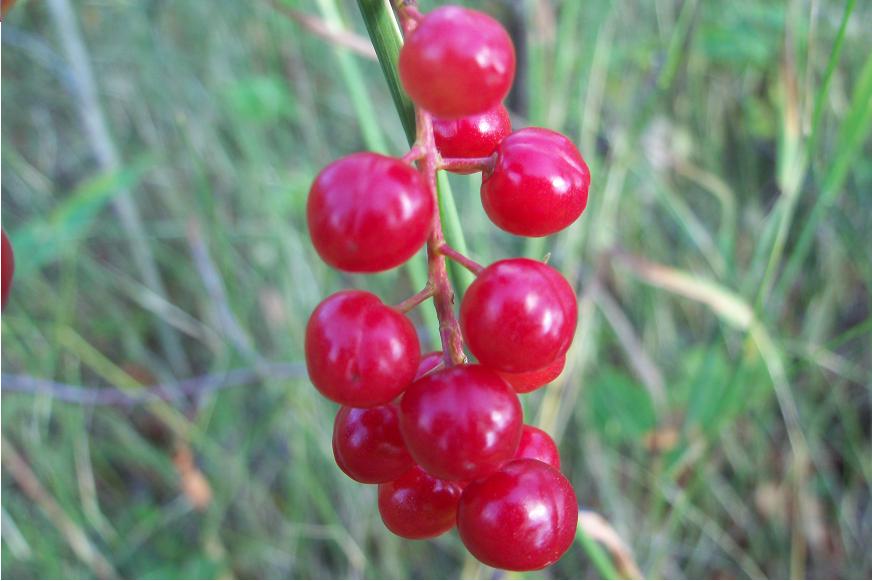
(717, 400)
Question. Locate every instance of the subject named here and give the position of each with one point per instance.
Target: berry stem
(468, 165)
(413, 155)
(416, 299)
(443, 293)
(466, 262)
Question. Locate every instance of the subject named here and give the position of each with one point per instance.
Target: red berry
(461, 423)
(538, 185)
(457, 62)
(368, 212)
(417, 505)
(531, 380)
(522, 518)
(473, 135)
(8, 268)
(367, 444)
(518, 315)
(428, 363)
(538, 445)
(359, 352)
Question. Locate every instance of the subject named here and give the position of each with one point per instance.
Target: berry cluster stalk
(443, 293)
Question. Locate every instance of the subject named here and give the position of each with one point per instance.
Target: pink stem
(469, 165)
(464, 261)
(415, 300)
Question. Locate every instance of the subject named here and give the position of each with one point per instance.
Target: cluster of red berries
(445, 439)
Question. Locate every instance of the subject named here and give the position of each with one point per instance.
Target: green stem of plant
(384, 31)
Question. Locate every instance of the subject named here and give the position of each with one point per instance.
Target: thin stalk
(443, 293)
(416, 299)
(467, 165)
(461, 259)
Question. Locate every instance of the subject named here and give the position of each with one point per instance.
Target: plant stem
(465, 261)
(416, 299)
(443, 293)
(467, 165)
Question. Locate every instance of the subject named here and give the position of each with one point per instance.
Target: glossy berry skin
(457, 62)
(532, 380)
(539, 183)
(518, 315)
(8, 267)
(429, 362)
(473, 135)
(521, 518)
(359, 352)
(461, 423)
(367, 444)
(538, 445)
(368, 212)
(417, 505)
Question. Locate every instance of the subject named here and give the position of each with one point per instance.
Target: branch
(113, 396)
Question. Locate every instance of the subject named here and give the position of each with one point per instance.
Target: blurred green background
(715, 413)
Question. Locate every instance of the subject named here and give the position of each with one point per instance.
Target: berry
(538, 185)
(367, 444)
(8, 268)
(522, 518)
(473, 135)
(532, 380)
(518, 315)
(457, 62)
(538, 445)
(368, 212)
(428, 363)
(417, 505)
(359, 352)
(461, 423)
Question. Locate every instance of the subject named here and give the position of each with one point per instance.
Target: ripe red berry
(461, 423)
(473, 135)
(457, 62)
(8, 268)
(368, 212)
(538, 185)
(417, 505)
(367, 444)
(522, 518)
(532, 380)
(518, 315)
(359, 352)
(429, 362)
(538, 445)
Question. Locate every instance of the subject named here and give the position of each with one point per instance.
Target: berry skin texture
(8, 258)
(539, 183)
(518, 315)
(429, 362)
(533, 380)
(473, 135)
(359, 352)
(538, 445)
(367, 444)
(368, 212)
(461, 423)
(417, 505)
(521, 518)
(457, 62)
